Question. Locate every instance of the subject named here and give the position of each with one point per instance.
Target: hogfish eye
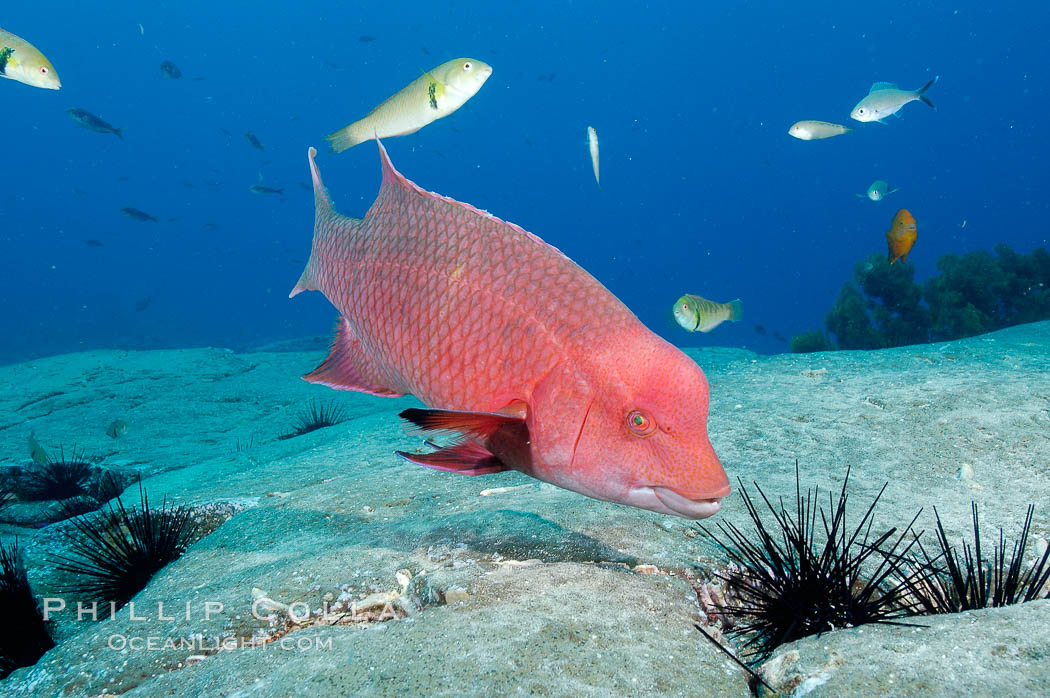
(640, 423)
(468, 65)
(43, 70)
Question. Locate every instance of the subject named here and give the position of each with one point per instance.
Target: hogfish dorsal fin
(321, 200)
(883, 86)
(327, 222)
(390, 173)
(394, 182)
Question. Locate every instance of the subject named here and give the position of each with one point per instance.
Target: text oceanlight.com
(208, 645)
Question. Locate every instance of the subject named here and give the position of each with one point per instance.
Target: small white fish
(592, 143)
(885, 98)
(878, 190)
(815, 130)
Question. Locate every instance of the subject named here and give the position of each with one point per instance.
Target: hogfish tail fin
(329, 227)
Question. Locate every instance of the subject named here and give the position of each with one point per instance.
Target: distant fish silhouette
(36, 451)
(366, 39)
(254, 141)
(94, 243)
(135, 214)
(92, 122)
(171, 70)
(143, 303)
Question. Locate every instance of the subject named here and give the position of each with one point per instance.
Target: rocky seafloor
(441, 584)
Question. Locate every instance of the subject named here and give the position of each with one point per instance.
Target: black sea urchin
(57, 478)
(7, 494)
(117, 551)
(952, 584)
(317, 415)
(24, 636)
(788, 587)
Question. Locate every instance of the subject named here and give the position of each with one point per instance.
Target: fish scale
(525, 356)
(390, 275)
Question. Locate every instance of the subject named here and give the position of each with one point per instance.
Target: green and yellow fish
(433, 95)
(117, 429)
(697, 314)
(21, 61)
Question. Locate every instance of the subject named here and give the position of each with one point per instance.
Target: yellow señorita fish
(697, 314)
(21, 61)
(433, 95)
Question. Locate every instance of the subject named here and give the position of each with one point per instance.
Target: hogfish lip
(666, 501)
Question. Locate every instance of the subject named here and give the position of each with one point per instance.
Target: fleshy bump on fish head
(633, 430)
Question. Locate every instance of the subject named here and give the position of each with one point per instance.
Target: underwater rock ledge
(993, 651)
(530, 588)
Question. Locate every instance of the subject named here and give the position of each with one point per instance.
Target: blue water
(704, 191)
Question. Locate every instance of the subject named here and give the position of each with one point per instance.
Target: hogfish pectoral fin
(480, 427)
(466, 458)
(491, 441)
(348, 368)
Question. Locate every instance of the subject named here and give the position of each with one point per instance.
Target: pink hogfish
(526, 357)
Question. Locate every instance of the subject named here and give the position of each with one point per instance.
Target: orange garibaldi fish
(901, 236)
(498, 332)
